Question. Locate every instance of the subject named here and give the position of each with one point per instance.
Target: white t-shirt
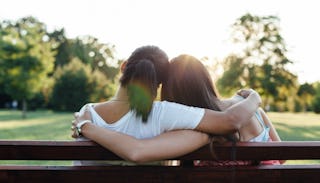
(164, 116)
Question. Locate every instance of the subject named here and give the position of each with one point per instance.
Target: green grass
(48, 125)
(297, 126)
(39, 125)
(44, 125)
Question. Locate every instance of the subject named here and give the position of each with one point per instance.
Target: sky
(197, 27)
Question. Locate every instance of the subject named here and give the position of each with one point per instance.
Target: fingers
(245, 92)
(76, 114)
(85, 115)
(74, 122)
(74, 133)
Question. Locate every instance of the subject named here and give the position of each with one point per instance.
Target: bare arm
(230, 120)
(164, 146)
(273, 132)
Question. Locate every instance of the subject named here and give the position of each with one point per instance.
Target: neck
(120, 95)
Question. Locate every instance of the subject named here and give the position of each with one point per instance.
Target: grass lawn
(39, 125)
(48, 125)
(44, 125)
(297, 126)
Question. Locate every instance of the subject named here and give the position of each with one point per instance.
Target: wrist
(80, 126)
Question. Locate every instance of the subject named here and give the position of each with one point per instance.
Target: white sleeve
(81, 111)
(177, 116)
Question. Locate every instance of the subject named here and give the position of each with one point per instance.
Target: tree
(26, 58)
(306, 93)
(231, 79)
(62, 46)
(76, 84)
(88, 49)
(316, 101)
(100, 56)
(71, 89)
(262, 57)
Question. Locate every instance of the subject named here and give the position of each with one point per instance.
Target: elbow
(137, 154)
(135, 157)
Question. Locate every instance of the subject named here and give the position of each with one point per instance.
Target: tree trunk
(24, 109)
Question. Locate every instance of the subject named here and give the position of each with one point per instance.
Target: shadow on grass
(11, 115)
(295, 133)
(58, 129)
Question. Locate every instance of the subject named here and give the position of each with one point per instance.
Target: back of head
(189, 83)
(146, 68)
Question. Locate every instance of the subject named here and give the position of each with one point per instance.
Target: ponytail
(141, 81)
(146, 68)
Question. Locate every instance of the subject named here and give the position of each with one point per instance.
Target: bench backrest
(85, 150)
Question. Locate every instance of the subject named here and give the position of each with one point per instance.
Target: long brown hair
(190, 83)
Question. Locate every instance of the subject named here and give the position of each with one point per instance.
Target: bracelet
(79, 125)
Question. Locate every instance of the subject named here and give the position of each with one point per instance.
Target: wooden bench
(85, 150)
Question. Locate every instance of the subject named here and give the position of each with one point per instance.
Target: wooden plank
(87, 150)
(54, 150)
(261, 174)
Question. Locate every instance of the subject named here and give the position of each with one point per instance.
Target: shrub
(71, 89)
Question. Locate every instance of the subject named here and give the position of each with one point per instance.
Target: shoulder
(84, 106)
(172, 107)
(166, 104)
(91, 106)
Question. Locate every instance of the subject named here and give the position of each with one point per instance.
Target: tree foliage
(61, 45)
(76, 84)
(71, 79)
(232, 78)
(88, 49)
(316, 99)
(26, 58)
(306, 93)
(99, 55)
(30, 56)
(261, 62)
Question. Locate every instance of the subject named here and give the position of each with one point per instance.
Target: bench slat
(261, 174)
(87, 150)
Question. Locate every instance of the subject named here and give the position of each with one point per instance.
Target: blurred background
(56, 56)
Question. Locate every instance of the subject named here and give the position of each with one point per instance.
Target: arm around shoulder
(168, 145)
(230, 120)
